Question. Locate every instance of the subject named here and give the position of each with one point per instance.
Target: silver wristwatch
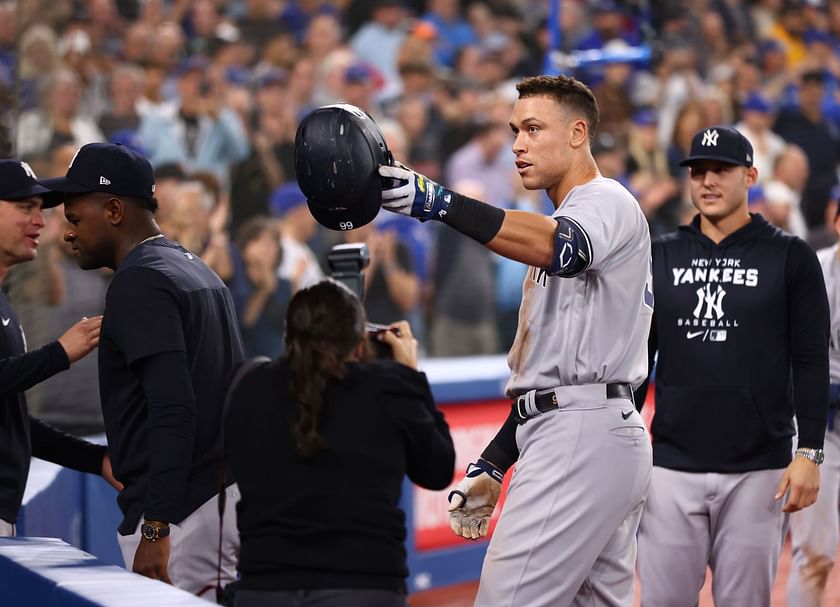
(815, 455)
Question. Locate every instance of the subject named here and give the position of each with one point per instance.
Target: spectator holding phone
(200, 133)
(342, 430)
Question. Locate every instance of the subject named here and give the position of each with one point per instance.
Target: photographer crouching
(319, 442)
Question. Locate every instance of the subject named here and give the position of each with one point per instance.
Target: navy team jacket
(22, 436)
(741, 329)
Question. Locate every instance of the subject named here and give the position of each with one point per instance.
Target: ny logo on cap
(104, 181)
(28, 170)
(710, 138)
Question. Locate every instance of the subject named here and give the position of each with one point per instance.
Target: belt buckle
(519, 410)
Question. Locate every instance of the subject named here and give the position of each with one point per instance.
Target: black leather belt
(546, 400)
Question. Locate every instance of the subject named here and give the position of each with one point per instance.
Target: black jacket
(332, 521)
(741, 329)
(22, 436)
(169, 341)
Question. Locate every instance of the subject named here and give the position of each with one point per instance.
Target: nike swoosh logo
(691, 335)
(6, 322)
(626, 415)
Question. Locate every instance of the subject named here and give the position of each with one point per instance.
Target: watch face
(819, 456)
(149, 532)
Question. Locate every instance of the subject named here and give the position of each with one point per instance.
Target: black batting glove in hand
(472, 501)
(414, 195)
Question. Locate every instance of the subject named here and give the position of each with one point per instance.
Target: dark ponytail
(324, 324)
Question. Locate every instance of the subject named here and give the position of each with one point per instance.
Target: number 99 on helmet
(338, 150)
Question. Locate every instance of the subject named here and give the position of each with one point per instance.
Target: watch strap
(153, 531)
(816, 456)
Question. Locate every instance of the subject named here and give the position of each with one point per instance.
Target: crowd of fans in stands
(211, 91)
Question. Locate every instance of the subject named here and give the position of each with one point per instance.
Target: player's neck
(577, 175)
(144, 231)
(716, 229)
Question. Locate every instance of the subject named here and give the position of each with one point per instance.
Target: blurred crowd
(211, 91)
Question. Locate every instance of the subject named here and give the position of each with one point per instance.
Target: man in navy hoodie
(741, 326)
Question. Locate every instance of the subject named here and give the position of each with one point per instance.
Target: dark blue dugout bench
(81, 509)
(41, 572)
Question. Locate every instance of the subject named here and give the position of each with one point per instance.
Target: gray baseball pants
(815, 531)
(567, 534)
(194, 547)
(729, 522)
(6, 529)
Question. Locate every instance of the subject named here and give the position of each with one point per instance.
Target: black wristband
(478, 220)
(490, 469)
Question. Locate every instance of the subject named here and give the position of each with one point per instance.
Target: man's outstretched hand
(414, 194)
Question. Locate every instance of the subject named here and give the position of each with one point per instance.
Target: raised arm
(519, 235)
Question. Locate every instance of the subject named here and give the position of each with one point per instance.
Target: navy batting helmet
(338, 150)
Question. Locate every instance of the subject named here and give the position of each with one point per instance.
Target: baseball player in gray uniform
(567, 532)
(815, 531)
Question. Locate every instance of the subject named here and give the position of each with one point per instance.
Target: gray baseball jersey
(815, 531)
(592, 328)
(831, 271)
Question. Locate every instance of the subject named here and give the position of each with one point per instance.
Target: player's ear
(114, 211)
(578, 133)
(752, 176)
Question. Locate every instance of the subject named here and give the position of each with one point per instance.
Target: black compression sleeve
(478, 220)
(640, 395)
(502, 451)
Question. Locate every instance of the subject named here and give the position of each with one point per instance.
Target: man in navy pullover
(169, 342)
(741, 327)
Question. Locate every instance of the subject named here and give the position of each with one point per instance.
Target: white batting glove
(414, 194)
(472, 501)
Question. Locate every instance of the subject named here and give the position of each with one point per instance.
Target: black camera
(347, 264)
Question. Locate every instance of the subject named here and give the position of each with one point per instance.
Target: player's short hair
(568, 92)
(150, 204)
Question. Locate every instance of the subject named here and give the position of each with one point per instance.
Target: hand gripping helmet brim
(338, 151)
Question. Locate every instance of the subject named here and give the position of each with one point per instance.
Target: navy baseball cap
(106, 167)
(18, 181)
(721, 143)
